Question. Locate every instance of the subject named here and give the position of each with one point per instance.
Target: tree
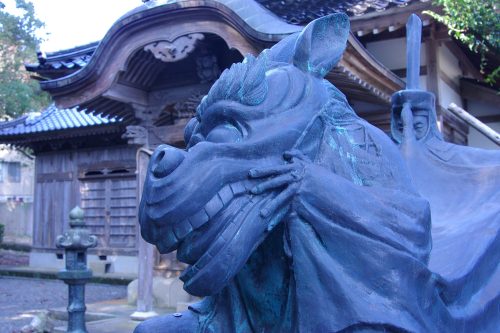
(18, 44)
(477, 25)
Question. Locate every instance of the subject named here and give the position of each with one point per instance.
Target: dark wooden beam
(395, 17)
(440, 35)
(490, 119)
(361, 69)
(171, 134)
(432, 65)
(401, 72)
(126, 94)
(478, 92)
(54, 176)
(449, 81)
(380, 119)
(465, 63)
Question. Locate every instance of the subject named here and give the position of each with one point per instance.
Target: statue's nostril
(167, 161)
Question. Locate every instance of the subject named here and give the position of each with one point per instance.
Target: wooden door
(110, 205)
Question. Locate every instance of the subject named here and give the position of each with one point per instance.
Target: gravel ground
(21, 297)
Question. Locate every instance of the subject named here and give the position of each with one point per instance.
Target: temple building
(139, 85)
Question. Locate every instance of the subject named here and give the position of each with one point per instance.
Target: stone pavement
(26, 291)
(21, 298)
(107, 317)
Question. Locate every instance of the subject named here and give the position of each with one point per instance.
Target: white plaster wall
(392, 52)
(447, 95)
(478, 109)
(476, 139)
(448, 64)
(423, 82)
(124, 264)
(45, 260)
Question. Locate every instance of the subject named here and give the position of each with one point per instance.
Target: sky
(70, 23)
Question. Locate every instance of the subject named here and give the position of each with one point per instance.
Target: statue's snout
(165, 160)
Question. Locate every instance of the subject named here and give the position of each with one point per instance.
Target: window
(14, 172)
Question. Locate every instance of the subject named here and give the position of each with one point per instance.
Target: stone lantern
(75, 243)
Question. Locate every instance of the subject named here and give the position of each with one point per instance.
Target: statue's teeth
(214, 249)
(214, 206)
(228, 232)
(182, 229)
(226, 194)
(204, 260)
(189, 273)
(238, 188)
(217, 246)
(198, 219)
(167, 240)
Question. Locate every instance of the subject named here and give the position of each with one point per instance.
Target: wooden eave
(470, 89)
(364, 76)
(390, 20)
(358, 73)
(146, 25)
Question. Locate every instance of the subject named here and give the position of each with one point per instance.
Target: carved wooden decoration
(187, 108)
(179, 49)
(136, 135)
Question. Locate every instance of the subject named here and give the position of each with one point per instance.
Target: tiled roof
(303, 11)
(52, 119)
(298, 12)
(70, 59)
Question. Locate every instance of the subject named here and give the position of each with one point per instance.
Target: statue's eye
(400, 126)
(418, 126)
(225, 133)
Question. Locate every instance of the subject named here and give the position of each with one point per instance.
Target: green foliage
(18, 44)
(476, 23)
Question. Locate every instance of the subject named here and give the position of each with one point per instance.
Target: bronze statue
(294, 214)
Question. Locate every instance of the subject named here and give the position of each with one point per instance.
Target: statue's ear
(320, 45)
(283, 51)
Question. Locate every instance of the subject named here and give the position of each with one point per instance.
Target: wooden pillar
(432, 68)
(145, 136)
(145, 250)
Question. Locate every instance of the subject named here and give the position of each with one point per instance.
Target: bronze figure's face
(423, 112)
(200, 201)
